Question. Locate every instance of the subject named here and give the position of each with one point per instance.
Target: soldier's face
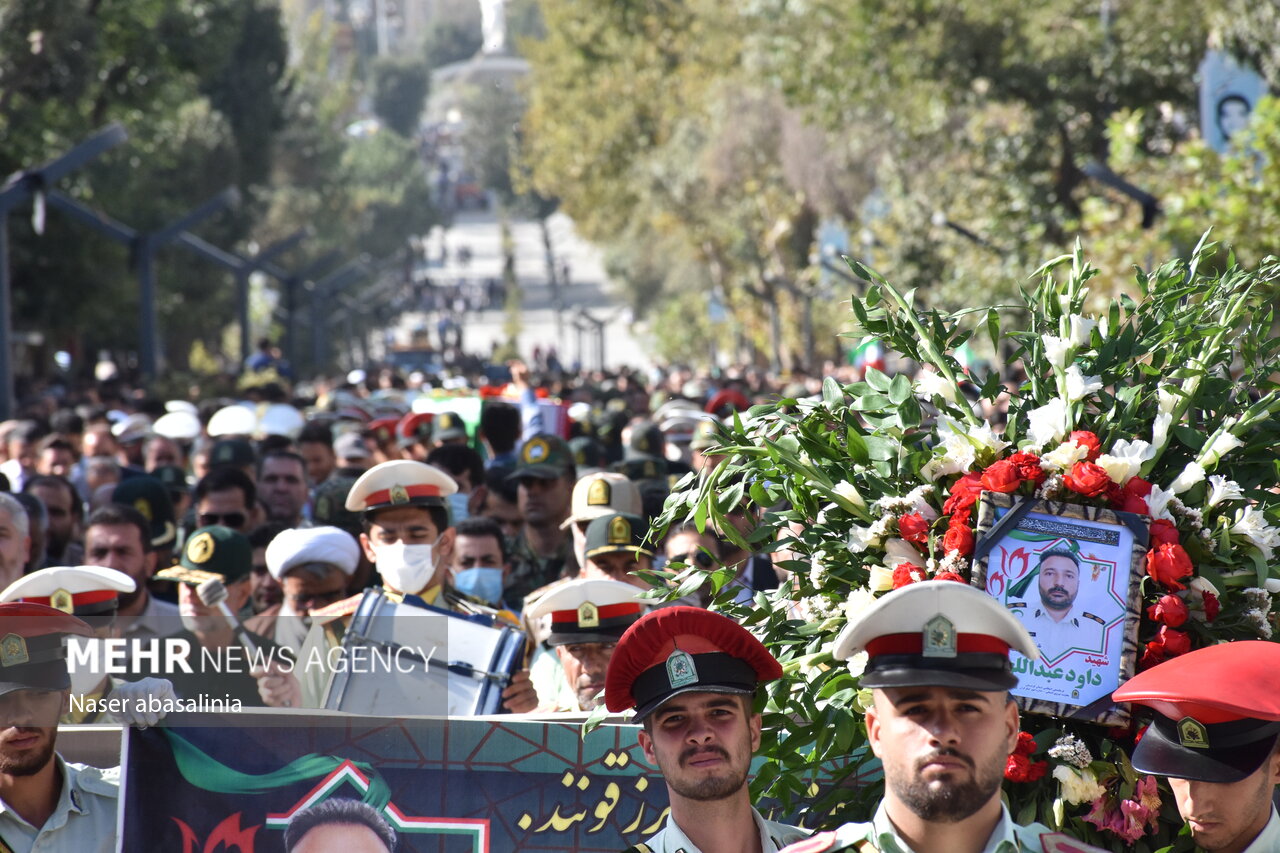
(1228, 816)
(944, 749)
(120, 547)
(28, 730)
(585, 665)
(320, 460)
(1059, 583)
(703, 743)
(617, 566)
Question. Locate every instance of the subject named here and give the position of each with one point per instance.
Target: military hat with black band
(543, 457)
(936, 633)
(32, 650)
(676, 650)
(212, 552)
(401, 482)
(90, 593)
(448, 426)
(1217, 712)
(616, 533)
(589, 610)
(150, 497)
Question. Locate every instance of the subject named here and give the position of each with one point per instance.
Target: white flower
(901, 551)
(1253, 526)
(881, 579)
(1080, 386)
(1202, 586)
(857, 664)
(930, 385)
(1071, 750)
(1160, 429)
(1190, 475)
(849, 492)
(1259, 621)
(1221, 489)
(1081, 330)
(916, 500)
(986, 438)
(1125, 460)
(1167, 399)
(1078, 786)
(1047, 423)
(1223, 443)
(817, 571)
(1057, 350)
(958, 455)
(858, 601)
(1158, 503)
(861, 538)
(1067, 454)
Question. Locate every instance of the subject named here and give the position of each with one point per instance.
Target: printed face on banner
(1069, 580)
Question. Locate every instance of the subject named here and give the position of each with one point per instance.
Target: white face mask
(405, 568)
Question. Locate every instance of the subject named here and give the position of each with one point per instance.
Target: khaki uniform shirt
(882, 836)
(84, 821)
(671, 839)
(1268, 841)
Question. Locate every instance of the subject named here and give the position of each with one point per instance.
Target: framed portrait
(1072, 574)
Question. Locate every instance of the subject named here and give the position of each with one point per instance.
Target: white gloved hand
(133, 699)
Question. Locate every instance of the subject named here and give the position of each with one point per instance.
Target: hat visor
(982, 680)
(618, 549)
(449, 434)
(565, 638)
(649, 707)
(536, 472)
(1157, 754)
(632, 455)
(45, 676)
(588, 514)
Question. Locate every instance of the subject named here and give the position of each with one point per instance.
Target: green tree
(399, 91)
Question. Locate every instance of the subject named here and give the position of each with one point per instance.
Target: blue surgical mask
(481, 583)
(458, 507)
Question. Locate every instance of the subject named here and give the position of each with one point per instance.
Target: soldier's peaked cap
(682, 650)
(90, 593)
(401, 482)
(32, 654)
(1217, 711)
(589, 610)
(936, 633)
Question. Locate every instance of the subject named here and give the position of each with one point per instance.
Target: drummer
(408, 538)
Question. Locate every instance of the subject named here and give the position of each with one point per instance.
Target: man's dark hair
(439, 517)
(273, 444)
(458, 459)
(56, 482)
(478, 527)
(27, 431)
(261, 536)
(500, 424)
(338, 811)
(1059, 552)
(66, 422)
(283, 454)
(119, 515)
(55, 442)
(316, 434)
(222, 478)
(495, 480)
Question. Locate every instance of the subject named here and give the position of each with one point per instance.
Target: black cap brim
(1158, 753)
(982, 675)
(43, 676)
(536, 472)
(652, 705)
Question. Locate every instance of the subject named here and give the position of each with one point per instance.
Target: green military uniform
(671, 839)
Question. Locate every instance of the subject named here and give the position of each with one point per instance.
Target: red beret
(680, 650)
(382, 429)
(413, 427)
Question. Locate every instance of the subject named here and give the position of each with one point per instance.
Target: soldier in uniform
(690, 674)
(942, 722)
(408, 538)
(587, 618)
(1216, 735)
(1054, 621)
(543, 552)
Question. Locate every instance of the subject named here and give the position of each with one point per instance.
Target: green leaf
(899, 389)
(877, 380)
(832, 394)
(993, 328)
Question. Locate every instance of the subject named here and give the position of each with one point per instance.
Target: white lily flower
(901, 551)
(1061, 459)
(930, 385)
(1160, 429)
(1158, 503)
(858, 601)
(1047, 423)
(862, 538)
(988, 438)
(1221, 489)
(1189, 476)
(1272, 585)
(1223, 443)
(1080, 386)
(1202, 586)
(958, 453)
(881, 579)
(1081, 330)
(849, 492)
(1167, 399)
(1253, 526)
(1078, 786)
(1057, 350)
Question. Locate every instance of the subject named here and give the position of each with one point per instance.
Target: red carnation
(906, 573)
(1026, 744)
(1028, 465)
(1087, 440)
(1211, 606)
(964, 493)
(959, 538)
(1021, 769)
(1163, 533)
(1001, 477)
(1169, 609)
(1168, 565)
(948, 576)
(1087, 479)
(961, 517)
(914, 528)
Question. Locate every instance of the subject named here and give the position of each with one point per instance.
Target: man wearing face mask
(312, 566)
(408, 538)
(480, 562)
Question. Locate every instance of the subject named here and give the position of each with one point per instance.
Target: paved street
(588, 291)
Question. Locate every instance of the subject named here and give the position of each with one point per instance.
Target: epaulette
(337, 610)
(1097, 619)
(1015, 605)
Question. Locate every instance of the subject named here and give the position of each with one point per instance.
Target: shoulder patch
(337, 610)
(816, 844)
(1097, 619)
(1016, 605)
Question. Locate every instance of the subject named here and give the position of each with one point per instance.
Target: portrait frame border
(989, 533)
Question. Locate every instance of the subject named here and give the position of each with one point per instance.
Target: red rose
(1138, 486)
(1175, 642)
(913, 528)
(1087, 440)
(959, 538)
(1152, 655)
(964, 493)
(1168, 565)
(1211, 606)
(961, 517)
(1133, 504)
(906, 573)
(1026, 744)
(1028, 465)
(1021, 769)
(1169, 609)
(1163, 533)
(1001, 477)
(1087, 479)
(948, 576)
